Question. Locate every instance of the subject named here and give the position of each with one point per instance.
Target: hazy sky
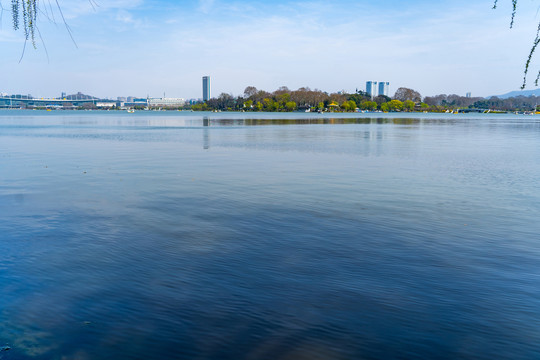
(151, 47)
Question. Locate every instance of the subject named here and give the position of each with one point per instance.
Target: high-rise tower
(206, 88)
(384, 88)
(371, 88)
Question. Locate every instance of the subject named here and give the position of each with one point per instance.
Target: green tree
(348, 105)
(290, 106)
(200, 107)
(358, 98)
(282, 99)
(270, 105)
(408, 105)
(385, 107)
(368, 105)
(395, 105)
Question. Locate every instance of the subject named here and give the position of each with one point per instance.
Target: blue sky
(143, 47)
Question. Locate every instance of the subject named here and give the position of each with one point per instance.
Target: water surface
(269, 236)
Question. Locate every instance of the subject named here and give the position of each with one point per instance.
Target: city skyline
(379, 88)
(148, 48)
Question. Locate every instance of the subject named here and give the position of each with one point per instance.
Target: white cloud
(206, 5)
(76, 8)
(321, 45)
(444, 46)
(125, 20)
(8, 36)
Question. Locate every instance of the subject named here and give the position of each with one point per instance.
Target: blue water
(269, 236)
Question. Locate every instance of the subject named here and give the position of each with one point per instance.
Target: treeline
(303, 99)
(518, 103)
(453, 101)
(306, 99)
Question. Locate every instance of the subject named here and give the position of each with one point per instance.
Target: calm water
(233, 236)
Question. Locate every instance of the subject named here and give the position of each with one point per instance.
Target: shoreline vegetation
(307, 100)
(404, 100)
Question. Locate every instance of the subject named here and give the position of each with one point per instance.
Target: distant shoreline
(457, 111)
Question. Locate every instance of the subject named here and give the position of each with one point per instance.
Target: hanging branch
(15, 13)
(65, 23)
(28, 17)
(514, 8)
(534, 46)
(24, 18)
(533, 49)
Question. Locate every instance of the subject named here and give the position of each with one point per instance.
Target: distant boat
(130, 110)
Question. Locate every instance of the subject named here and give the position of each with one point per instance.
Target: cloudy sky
(152, 47)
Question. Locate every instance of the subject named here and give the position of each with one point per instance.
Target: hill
(526, 93)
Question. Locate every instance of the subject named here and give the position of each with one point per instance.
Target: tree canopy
(404, 94)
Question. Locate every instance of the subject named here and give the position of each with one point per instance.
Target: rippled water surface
(269, 236)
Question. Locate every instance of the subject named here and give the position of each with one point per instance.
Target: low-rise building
(106, 104)
(166, 102)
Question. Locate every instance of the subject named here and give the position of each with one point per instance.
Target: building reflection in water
(206, 133)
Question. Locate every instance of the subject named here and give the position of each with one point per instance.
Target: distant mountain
(535, 92)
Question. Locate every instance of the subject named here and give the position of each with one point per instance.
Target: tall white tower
(384, 88)
(371, 88)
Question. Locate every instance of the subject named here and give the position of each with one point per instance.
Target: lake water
(160, 235)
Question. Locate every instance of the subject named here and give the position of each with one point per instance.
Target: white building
(105, 104)
(371, 88)
(155, 102)
(384, 88)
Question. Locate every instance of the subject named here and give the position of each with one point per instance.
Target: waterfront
(269, 236)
